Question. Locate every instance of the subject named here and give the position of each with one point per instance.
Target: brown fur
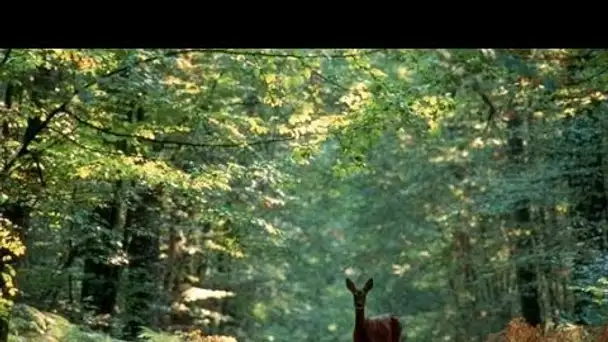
(383, 329)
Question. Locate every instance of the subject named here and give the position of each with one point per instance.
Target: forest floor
(518, 331)
(32, 325)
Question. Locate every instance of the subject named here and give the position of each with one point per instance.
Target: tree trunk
(586, 178)
(101, 275)
(144, 255)
(526, 272)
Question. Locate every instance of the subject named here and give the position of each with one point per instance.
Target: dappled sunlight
(228, 195)
(195, 294)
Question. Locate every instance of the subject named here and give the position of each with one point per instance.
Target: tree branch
(283, 55)
(86, 148)
(176, 142)
(62, 107)
(36, 161)
(29, 137)
(32, 134)
(586, 79)
(7, 54)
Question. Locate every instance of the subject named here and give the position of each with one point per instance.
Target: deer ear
(368, 285)
(350, 285)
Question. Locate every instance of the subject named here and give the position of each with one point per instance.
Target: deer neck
(360, 316)
(360, 330)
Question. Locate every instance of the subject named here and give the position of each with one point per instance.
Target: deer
(386, 328)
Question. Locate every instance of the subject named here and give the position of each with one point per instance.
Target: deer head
(359, 295)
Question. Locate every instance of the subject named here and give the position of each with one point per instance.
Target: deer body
(374, 329)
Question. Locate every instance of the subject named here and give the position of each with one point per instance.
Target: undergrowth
(519, 331)
(29, 324)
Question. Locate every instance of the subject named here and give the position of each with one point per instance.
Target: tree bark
(526, 272)
(101, 276)
(144, 256)
(586, 178)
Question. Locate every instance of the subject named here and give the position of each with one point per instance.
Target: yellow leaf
(377, 73)
(307, 73)
(284, 130)
(147, 134)
(270, 78)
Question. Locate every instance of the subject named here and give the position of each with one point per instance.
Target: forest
(223, 195)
